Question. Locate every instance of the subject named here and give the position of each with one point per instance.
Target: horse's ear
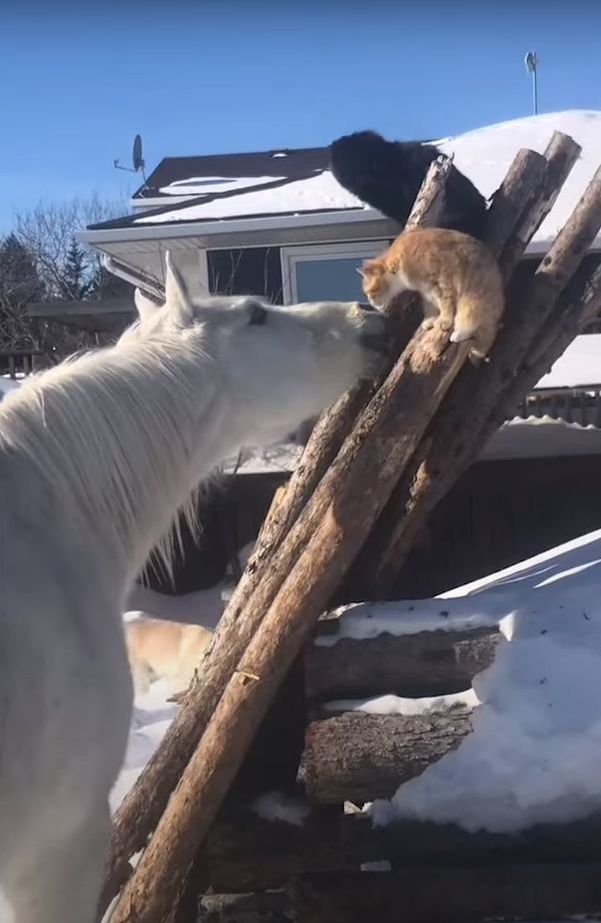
(145, 306)
(177, 300)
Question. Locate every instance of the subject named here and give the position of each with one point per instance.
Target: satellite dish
(137, 159)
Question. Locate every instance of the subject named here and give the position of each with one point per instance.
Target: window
(253, 271)
(322, 272)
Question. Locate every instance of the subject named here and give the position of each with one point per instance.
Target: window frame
(291, 256)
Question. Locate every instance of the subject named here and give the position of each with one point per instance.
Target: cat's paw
(429, 323)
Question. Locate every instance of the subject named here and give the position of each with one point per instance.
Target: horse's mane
(89, 428)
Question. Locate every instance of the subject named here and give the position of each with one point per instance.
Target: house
(278, 224)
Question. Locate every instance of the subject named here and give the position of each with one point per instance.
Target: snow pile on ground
(152, 716)
(7, 384)
(535, 750)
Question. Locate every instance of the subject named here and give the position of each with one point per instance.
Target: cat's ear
(367, 268)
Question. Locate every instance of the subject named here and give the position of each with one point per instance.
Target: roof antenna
(531, 62)
(137, 160)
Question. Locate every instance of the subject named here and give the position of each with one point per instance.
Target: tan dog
(171, 651)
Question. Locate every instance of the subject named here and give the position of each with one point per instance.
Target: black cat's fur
(387, 175)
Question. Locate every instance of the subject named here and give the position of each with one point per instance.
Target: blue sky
(215, 76)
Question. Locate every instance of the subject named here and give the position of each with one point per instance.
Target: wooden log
(246, 852)
(142, 807)
(426, 663)
(455, 438)
(458, 894)
(415, 843)
(359, 757)
(271, 907)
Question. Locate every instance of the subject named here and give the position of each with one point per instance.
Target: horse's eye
(257, 314)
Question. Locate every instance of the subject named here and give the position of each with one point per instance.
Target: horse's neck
(114, 436)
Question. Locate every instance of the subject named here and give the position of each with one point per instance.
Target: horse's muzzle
(376, 334)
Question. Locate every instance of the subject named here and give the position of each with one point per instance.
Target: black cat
(387, 176)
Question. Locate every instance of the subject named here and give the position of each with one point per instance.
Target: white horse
(97, 456)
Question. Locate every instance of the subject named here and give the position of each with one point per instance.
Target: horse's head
(278, 365)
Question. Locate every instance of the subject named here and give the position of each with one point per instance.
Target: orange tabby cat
(456, 275)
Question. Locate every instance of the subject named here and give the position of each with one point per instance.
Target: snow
(362, 621)
(397, 705)
(542, 437)
(483, 155)
(6, 385)
(152, 716)
(276, 806)
(208, 185)
(579, 366)
(535, 748)
(318, 193)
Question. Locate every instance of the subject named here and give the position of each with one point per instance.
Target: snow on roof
(286, 163)
(205, 185)
(484, 155)
(580, 365)
(541, 437)
(317, 193)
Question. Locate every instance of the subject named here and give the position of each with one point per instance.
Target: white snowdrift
(535, 749)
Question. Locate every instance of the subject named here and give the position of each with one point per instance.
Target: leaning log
(459, 894)
(142, 807)
(424, 664)
(359, 757)
(456, 436)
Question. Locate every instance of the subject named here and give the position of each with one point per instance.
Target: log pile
(375, 466)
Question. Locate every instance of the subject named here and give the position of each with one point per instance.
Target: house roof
(534, 437)
(222, 173)
(299, 185)
(578, 367)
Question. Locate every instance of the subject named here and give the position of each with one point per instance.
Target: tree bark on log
(424, 664)
(248, 853)
(273, 907)
(359, 757)
(456, 435)
(460, 894)
(142, 807)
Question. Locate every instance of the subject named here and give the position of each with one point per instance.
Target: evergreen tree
(19, 285)
(79, 279)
